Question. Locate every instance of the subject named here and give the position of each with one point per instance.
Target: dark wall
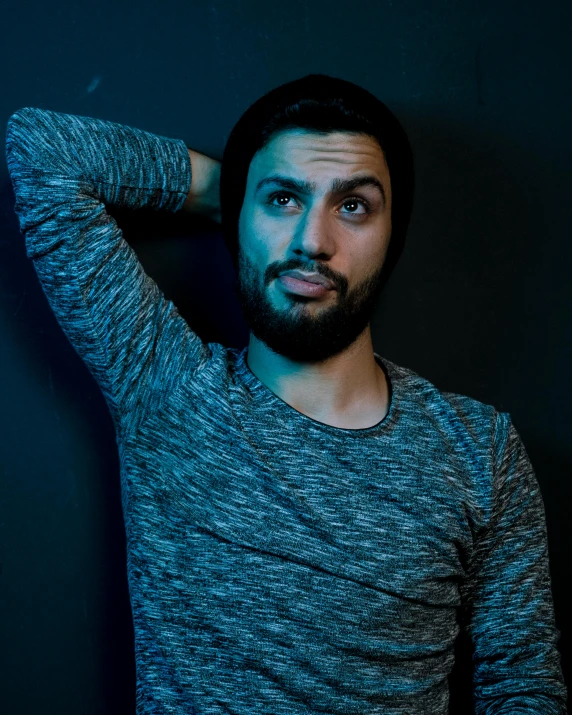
(479, 304)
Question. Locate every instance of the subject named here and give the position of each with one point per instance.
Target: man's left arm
(507, 596)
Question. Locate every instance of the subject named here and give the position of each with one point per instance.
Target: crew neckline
(261, 392)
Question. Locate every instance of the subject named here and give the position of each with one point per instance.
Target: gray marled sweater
(278, 565)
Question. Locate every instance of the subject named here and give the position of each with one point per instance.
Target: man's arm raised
(66, 170)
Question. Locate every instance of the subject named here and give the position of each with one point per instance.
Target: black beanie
(321, 103)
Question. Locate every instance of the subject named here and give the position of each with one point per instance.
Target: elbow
(34, 141)
(21, 139)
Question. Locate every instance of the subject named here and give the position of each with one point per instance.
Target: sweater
(278, 565)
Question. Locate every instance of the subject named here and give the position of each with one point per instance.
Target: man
(307, 522)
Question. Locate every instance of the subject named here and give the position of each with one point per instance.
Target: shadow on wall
(476, 189)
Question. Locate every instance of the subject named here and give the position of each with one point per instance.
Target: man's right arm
(66, 170)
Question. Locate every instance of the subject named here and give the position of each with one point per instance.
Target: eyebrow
(338, 186)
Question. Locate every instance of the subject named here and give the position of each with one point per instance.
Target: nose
(313, 236)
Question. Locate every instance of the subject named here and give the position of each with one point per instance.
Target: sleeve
(507, 595)
(66, 170)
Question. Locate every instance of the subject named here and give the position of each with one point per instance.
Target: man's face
(327, 232)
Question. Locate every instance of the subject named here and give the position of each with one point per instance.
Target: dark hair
(323, 104)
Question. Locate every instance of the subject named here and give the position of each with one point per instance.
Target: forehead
(293, 149)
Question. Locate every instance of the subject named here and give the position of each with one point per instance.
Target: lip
(295, 285)
(315, 278)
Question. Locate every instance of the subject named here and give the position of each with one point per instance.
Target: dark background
(479, 303)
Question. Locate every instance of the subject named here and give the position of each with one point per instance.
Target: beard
(297, 331)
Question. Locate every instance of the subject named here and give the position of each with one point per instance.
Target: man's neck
(349, 390)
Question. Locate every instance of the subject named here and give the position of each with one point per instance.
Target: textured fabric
(279, 565)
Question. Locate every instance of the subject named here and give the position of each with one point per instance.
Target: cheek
(380, 242)
(247, 232)
(262, 241)
(369, 257)
(382, 252)
(254, 247)
(253, 252)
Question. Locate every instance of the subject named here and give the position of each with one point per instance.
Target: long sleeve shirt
(278, 565)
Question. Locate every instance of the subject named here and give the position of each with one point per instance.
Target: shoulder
(461, 420)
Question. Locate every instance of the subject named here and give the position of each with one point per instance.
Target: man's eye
(352, 200)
